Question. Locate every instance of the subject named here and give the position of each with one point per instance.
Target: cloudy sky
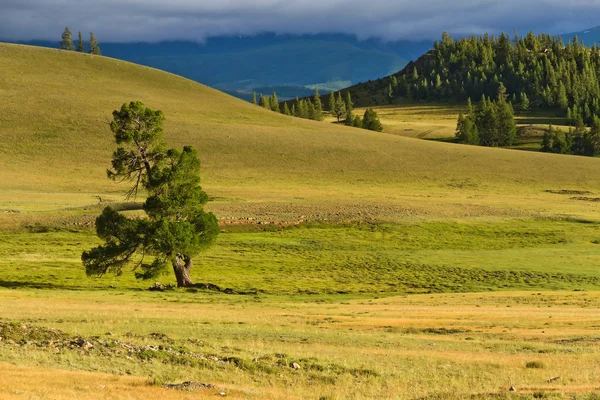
(154, 20)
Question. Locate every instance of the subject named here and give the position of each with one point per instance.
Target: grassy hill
(240, 64)
(54, 132)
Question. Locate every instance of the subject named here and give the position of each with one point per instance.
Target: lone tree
(176, 227)
(67, 41)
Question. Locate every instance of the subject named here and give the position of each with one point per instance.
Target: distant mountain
(241, 64)
(589, 36)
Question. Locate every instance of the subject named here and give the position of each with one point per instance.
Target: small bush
(534, 364)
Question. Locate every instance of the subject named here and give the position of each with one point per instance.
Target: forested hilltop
(540, 71)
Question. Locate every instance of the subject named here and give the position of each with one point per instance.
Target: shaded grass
(353, 258)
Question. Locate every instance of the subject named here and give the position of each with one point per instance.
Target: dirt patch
(582, 198)
(568, 191)
(578, 340)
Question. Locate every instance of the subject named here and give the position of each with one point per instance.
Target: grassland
(438, 122)
(387, 267)
(435, 347)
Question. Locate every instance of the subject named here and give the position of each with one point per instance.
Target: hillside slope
(240, 64)
(54, 138)
(589, 36)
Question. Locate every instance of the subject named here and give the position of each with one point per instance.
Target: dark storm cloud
(152, 20)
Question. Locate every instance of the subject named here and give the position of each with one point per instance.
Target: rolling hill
(54, 138)
(56, 104)
(241, 64)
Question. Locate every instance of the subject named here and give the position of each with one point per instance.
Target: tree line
(312, 108)
(577, 141)
(67, 43)
(537, 72)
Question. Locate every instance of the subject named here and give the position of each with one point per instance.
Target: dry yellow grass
(449, 346)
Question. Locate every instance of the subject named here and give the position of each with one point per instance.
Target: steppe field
(352, 264)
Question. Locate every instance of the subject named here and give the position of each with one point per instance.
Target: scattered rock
(189, 386)
(295, 365)
(512, 389)
(159, 287)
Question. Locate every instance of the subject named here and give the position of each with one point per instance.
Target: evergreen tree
(349, 108)
(254, 98)
(311, 111)
(286, 109)
(94, 48)
(547, 140)
(274, 103)
(357, 122)
(80, 44)
(371, 121)
(176, 228)
(390, 93)
(264, 102)
(524, 102)
(339, 107)
(318, 113)
(67, 41)
(466, 130)
(332, 103)
(506, 126)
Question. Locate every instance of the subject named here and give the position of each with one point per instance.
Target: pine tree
(176, 228)
(264, 102)
(94, 48)
(371, 121)
(390, 93)
(80, 44)
(524, 102)
(318, 113)
(67, 41)
(286, 109)
(332, 103)
(274, 103)
(506, 127)
(357, 122)
(339, 107)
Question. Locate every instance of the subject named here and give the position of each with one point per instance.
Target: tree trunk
(182, 266)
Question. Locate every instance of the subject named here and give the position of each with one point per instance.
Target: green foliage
(286, 109)
(254, 98)
(492, 124)
(357, 122)
(466, 130)
(581, 141)
(67, 41)
(332, 103)
(80, 44)
(525, 106)
(541, 70)
(318, 107)
(94, 48)
(177, 228)
(371, 121)
(274, 103)
(340, 107)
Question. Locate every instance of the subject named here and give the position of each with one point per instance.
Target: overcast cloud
(154, 20)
